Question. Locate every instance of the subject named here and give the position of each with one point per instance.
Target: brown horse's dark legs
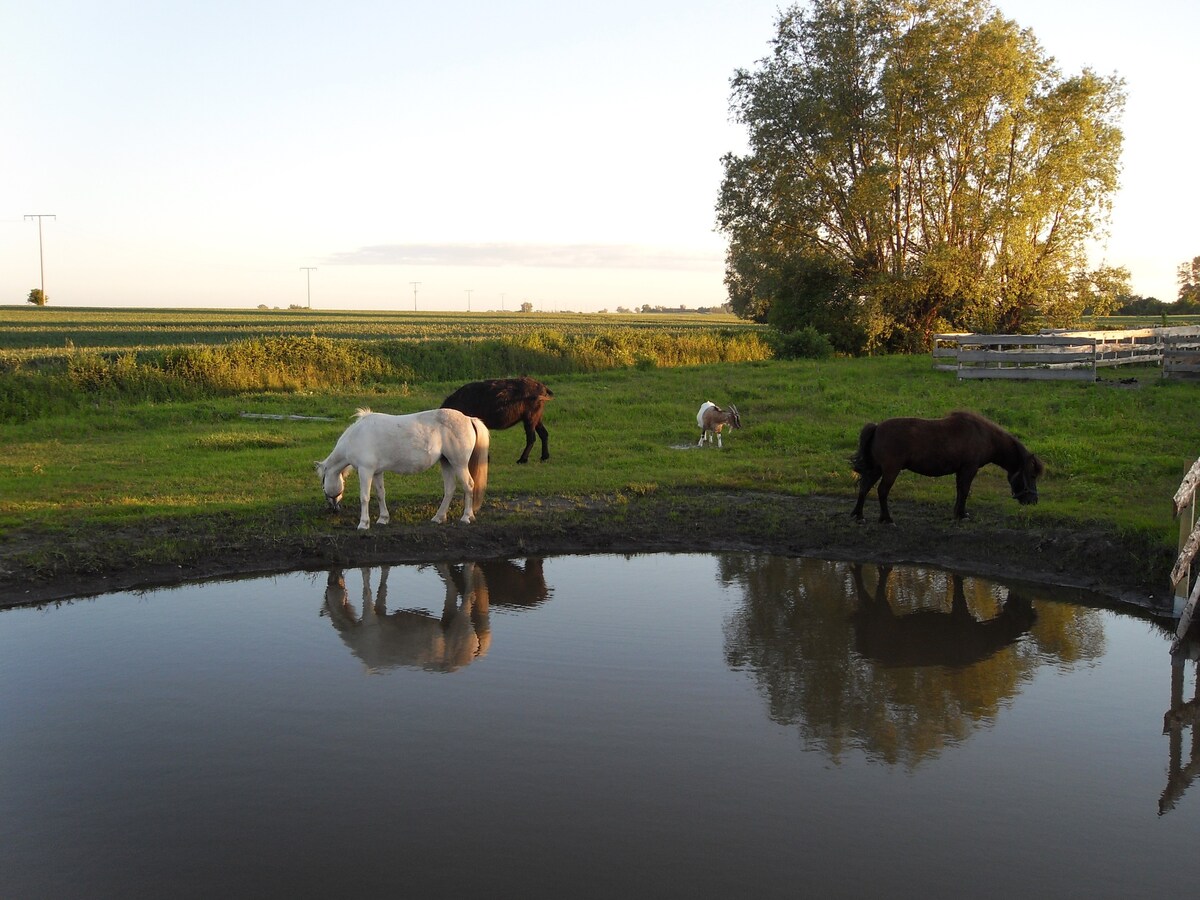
(885, 487)
(545, 436)
(962, 481)
(528, 443)
(865, 483)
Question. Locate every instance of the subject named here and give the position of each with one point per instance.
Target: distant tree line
(1186, 304)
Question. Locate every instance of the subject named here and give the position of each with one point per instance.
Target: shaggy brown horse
(502, 403)
(960, 444)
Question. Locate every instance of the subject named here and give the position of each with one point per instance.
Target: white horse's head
(333, 482)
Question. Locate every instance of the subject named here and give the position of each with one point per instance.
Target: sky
(230, 154)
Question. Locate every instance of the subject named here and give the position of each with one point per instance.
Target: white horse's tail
(478, 464)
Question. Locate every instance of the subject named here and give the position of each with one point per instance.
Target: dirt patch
(37, 568)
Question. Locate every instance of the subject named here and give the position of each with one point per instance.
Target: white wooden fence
(1181, 353)
(1073, 355)
(1187, 594)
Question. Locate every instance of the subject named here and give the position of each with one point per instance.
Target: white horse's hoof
(363, 526)
(382, 520)
(438, 519)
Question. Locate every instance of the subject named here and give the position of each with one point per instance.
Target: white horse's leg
(468, 484)
(365, 477)
(380, 492)
(447, 493)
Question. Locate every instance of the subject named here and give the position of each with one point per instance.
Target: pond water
(594, 726)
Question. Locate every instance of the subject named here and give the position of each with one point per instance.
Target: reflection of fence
(1074, 355)
(1186, 594)
(1182, 714)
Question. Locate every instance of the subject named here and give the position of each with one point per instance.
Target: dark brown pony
(502, 403)
(960, 444)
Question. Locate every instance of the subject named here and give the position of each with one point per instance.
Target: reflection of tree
(836, 654)
(420, 639)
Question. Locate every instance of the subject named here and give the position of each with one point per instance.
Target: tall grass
(33, 386)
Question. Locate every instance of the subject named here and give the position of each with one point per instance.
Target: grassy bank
(117, 488)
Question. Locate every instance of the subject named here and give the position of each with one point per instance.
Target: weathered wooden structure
(1067, 355)
(1181, 353)
(1186, 593)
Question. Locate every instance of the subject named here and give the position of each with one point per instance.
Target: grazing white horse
(379, 443)
(711, 419)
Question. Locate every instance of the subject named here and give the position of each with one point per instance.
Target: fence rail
(1070, 355)
(1181, 355)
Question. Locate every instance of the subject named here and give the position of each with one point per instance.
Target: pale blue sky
(568, 154)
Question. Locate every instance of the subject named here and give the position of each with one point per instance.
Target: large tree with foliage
(917, 166)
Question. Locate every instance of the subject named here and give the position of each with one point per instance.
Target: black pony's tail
(861, 461)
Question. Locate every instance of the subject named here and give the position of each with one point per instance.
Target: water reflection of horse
(409, 637)
(419, 639)
(930, 637)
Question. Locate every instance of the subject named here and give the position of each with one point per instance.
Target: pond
(595, 726)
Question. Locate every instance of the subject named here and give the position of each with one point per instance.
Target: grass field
(169, 475)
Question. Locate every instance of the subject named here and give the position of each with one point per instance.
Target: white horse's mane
(362, 411)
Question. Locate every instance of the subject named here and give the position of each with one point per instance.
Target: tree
(930, 153)
(1189, 281)
(526, 307)
(37, 297)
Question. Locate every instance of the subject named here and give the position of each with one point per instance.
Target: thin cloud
(541, 256)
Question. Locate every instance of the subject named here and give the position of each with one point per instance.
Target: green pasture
(1114, 453)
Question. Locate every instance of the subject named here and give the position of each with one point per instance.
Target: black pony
(961, 443)
(502, 403)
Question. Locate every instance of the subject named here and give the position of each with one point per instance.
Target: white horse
(711, 419)
(379, 443)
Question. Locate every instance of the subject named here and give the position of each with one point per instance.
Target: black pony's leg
(545, 436)
(865, 483)
(885, 487)
(529, 439)
(962, 483)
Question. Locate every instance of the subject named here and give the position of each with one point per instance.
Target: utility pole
(41, 256)
(414, 287)
(469, 290)
(308, 270)
(502, 296)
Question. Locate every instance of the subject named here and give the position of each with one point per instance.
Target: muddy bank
(37, 568)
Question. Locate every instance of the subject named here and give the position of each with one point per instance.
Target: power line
(41, 255)
(308, 270)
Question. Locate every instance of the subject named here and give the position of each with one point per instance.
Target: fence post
(1187, 521)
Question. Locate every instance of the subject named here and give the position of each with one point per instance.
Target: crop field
(47, 330)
